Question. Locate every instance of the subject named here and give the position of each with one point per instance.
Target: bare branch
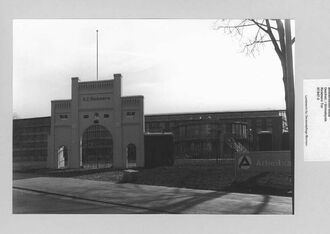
(259, 25)
(262, 24)
(234, 26)
(251, 44)
(259, 42)
(272, 37)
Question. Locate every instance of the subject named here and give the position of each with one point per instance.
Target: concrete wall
(198, 162)
(268, 161)
(261, 161)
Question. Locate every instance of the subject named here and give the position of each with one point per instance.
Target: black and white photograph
(164, 116)
(153, 116)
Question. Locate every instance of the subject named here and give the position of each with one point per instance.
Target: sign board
(104, 100)
(316, 120)
(244, 162)
(270, 161)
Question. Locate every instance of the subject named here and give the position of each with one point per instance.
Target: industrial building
(196, 135)
(98, 127)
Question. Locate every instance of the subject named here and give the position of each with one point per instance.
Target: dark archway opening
(131, 155)
(97, 147)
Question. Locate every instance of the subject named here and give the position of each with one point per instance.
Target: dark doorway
(97, 147)
(265, 140)
(131, 155)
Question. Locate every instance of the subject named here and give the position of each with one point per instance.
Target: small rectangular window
(106, 115)
(63, 117)
(86, 116)
(130, 113)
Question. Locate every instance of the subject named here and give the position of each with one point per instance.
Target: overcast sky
(177, 65)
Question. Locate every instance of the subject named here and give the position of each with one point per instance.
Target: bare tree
(253, 34)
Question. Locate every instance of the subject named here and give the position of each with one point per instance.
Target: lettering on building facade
(273, 163)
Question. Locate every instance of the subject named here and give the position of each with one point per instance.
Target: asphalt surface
(70, 196)
(29, 202)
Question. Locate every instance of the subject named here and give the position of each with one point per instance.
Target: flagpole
(97, 54)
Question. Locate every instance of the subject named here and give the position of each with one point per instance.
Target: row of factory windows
(31, 123)
(31, 130)
(33, 144)
(195, 146)
(191, 117)
(30, 138)
(262, 124)
(197, 130)
(30, 155)
(25, 158)
(211, 130)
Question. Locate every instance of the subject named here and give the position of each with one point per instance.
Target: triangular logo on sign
(244, 162)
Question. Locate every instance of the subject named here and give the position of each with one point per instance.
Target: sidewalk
(159, 198)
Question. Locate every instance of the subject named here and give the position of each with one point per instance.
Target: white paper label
(317, 120)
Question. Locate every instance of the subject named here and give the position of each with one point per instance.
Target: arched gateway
(97, 147)
(96, 125)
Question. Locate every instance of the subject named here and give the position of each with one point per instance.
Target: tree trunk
(288, 81)
(291, 100)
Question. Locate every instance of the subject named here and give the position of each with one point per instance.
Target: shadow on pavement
(262, 206)
(252, 185)
(186, 204)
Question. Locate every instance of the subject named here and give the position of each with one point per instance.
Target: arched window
(62, 157)
(131, 155)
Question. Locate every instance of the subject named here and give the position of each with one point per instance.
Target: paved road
(159, 199)
(28, 202)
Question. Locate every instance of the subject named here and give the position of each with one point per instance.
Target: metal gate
(97, 147)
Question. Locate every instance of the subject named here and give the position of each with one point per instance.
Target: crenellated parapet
(62, 104)
(131, 100)
(96, 84)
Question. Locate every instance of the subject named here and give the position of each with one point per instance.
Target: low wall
(212, 161)
(270, 161)
(260, 161)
